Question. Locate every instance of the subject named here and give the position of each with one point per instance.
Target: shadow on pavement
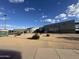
(7, 54)
(69, 38)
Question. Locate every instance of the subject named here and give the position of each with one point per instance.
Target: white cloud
(63, 15)
(51, 20)
(44, 16)
(73, 10)
(1, 13)
(16, 1)
(29, 9)
(9, 26)
(48, 20)
(65, 18)
(39, 9)
(1, 8)
(3, 18)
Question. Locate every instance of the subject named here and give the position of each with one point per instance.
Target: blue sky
(36, 13)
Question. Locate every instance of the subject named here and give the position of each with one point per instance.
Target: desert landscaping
(63, 41)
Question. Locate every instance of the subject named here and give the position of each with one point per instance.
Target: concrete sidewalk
(50, 53)
(45, 53)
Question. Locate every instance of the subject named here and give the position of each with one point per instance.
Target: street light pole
(5, 22)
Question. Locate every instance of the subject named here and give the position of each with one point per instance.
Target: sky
(36, 13)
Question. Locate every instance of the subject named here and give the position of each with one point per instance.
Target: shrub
(47, 35)
(36, 36)
(18, 34)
